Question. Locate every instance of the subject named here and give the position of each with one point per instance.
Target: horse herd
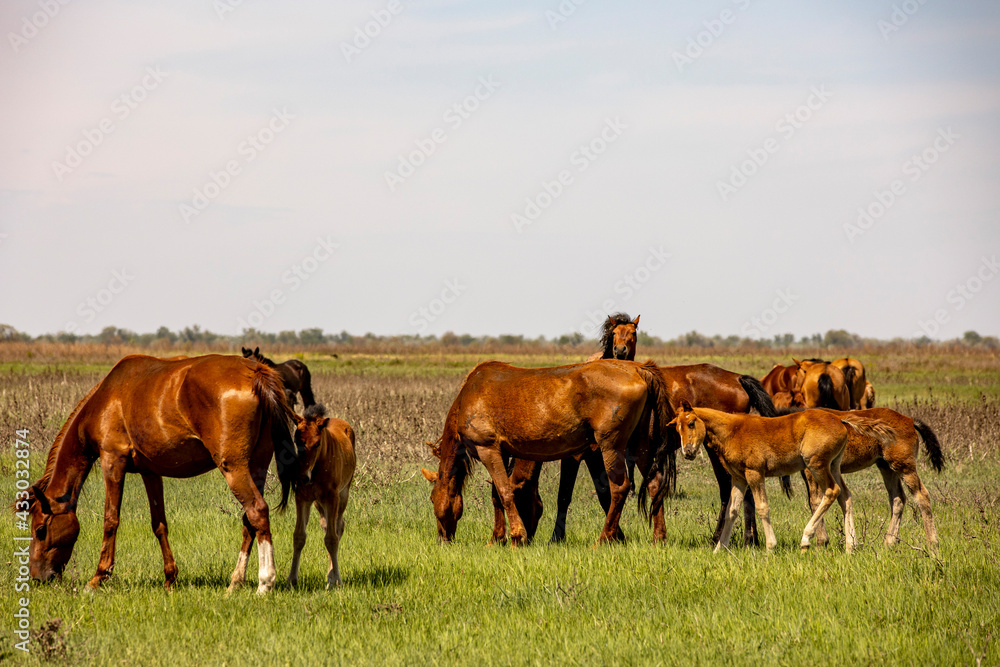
(181, 417)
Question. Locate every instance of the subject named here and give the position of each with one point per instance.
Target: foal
(327, 472)
(752, 448)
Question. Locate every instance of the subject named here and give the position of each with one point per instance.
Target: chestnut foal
(752, 448)
(327, 472)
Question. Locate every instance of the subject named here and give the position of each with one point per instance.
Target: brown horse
(868, 399)
(544, 414)
(618, 338)
(166, 417)
(327, 466)
(892, 446)
(854, 377)
(779, 379)
(822, 385)
(294, 374)
(752, 448)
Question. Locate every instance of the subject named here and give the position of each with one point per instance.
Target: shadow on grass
(378, 576)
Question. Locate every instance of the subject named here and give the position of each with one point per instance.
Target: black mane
(608, 333)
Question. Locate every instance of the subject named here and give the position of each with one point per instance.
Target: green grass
(407, 600)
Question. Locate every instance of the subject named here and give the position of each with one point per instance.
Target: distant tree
(312, 337)
(971, 338)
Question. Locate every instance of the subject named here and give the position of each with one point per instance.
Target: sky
(748, 167)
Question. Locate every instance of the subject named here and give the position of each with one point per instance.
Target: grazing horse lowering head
(54, 531)
(618, 337)
(690, 428)
(446, 494)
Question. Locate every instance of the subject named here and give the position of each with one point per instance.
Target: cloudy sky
(748, 167)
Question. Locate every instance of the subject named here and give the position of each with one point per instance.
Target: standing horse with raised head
(752, 448)
(544, 414)
(166, 418)
(294, 374)
(327, 470)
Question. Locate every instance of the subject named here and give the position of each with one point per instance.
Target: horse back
(707, 386)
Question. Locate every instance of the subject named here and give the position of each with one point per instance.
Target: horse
(868, 400)
(618, 338)
(854, 377)
(779, 379)
(166, 418)
(544, 414)
(294, 374)
(892, 446)
(700, 384)
(822, 385)
(752, 448)
(327, 465)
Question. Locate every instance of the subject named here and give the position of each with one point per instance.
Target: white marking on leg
(266, 574)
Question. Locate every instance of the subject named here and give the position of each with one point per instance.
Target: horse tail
(270, 391)
(826, 396)
(664, 452)
(849, 373)
(306, 388)
(760, 400)
(931, 444)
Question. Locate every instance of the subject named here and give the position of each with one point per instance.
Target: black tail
(662, 447)
(849, 372)
(760, 400)
(270, 391)
(306, 390)
(931, 444)
(826, 397)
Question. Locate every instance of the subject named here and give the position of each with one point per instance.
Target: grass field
(406, 600)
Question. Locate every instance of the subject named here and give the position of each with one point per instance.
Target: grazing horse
(752, 448)
(294, 374)
(822, 385)
(854, 377)
(327, 470)
(868, 400)
(779, 379)
(545, 414)
(166, 418)
(892, 446)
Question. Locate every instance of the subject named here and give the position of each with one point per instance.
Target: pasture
(406, 600)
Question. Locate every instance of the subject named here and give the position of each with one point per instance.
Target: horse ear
(435, 448)
(685, 406)
(38, 496)
(672, 423)
(256, 351)
(635, 322)
(797, 362)
(430, 476)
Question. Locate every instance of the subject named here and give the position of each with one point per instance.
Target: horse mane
(262, 359)
(871, 428)
(50, 461)
(608, 333)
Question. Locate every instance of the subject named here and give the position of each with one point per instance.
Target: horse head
(446, 493)
(308, 434)
(619, 337)
(690, 428)
(54, 529)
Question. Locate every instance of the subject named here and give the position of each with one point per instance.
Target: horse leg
(302, 509)
(493, 462)
(524, 480)
(569, 467)
(114, 484)
(499, 535)
(334, 513)
(897, 501)
(306, 388)
(923, 501)
(739, 489)
(829, 490)
(256, 523)
(614, 465)
(846, 506)
(345, 494)
(813, 500)
(595, 464)
(755, 481)
(158, 517)
(725, 492)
